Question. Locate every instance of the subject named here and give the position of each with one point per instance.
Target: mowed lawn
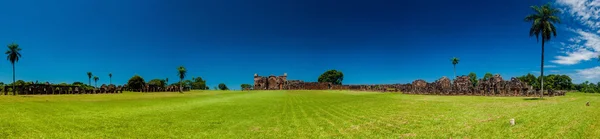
(296, 114)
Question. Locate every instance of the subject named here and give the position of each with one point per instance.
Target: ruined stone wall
(461, 85)
(270, 83)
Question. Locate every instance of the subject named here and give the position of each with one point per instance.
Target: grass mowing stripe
(299, 114)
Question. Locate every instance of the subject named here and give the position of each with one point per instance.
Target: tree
(530, 79)
(136, 82)
(332, 76)
(473, 78)
(454, 62)
(89, 74)
(110, 77)
(543, 24)
(187, 83)
(487, 76)
(96, 81)
(198, 83)
(13, 54)
(222, 86)
(166, 80)
(246, 86)
(181, 71)
(157, 82)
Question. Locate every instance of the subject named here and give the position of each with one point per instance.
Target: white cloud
(585, 11)
(590, 74)
(586, 44)
(574, 57)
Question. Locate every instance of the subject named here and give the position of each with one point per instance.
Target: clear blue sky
(371, 41)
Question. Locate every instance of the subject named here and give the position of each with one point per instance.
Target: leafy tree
(473, 78)
(136, 82)
(222, 86)
(198, 83)
(187, 83)
(181, 72)
(487, 76)
(157, 82)
(543, 24)
(246, 86)
(78, 83)
(332, 76)
(96, 80)
(110, 77)
(454, 62)
(89, 74)
(530, 79)
(13, 54)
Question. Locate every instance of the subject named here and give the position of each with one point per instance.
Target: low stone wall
(462, 85)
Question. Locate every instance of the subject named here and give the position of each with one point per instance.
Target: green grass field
(297, 114)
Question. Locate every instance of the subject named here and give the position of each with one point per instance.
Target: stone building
(270, 83)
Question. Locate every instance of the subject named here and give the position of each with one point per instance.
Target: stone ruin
(155, 88)
(461, 85)
(47, 89)
(270, 83)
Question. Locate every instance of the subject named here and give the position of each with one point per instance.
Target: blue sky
(227, 41)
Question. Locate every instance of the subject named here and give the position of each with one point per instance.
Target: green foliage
(473, 78)
(198, 84)
(332, 76)
(181, 72)
(136, 82)
(96, 78)
(530, 79)
(89, 74)
(187, 83)
(222, 86)
(454, 60)
(487, 76)
(157, 82)
(82, 85)
(543, 21)
(13, 53)
(246, 86)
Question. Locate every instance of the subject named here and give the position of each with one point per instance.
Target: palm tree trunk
(542, 70)
(90, 81)
(180, 89)
(14, 91)
(110, 80)
(455, 71)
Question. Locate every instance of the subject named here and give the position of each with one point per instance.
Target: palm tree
(110, 77)
(167, 81)
(181, 71)
(543, 24)
(89, 78)
(96, 80)
(13, 56)
(454, 62)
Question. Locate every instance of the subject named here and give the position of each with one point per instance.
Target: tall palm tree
(89, 78)
(167, 81)
(181, 71)
(13, 56)
(110, 77)
(96, 80)
(454, 62)
(543, 24)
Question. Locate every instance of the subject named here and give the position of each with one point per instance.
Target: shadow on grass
(537, 98)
